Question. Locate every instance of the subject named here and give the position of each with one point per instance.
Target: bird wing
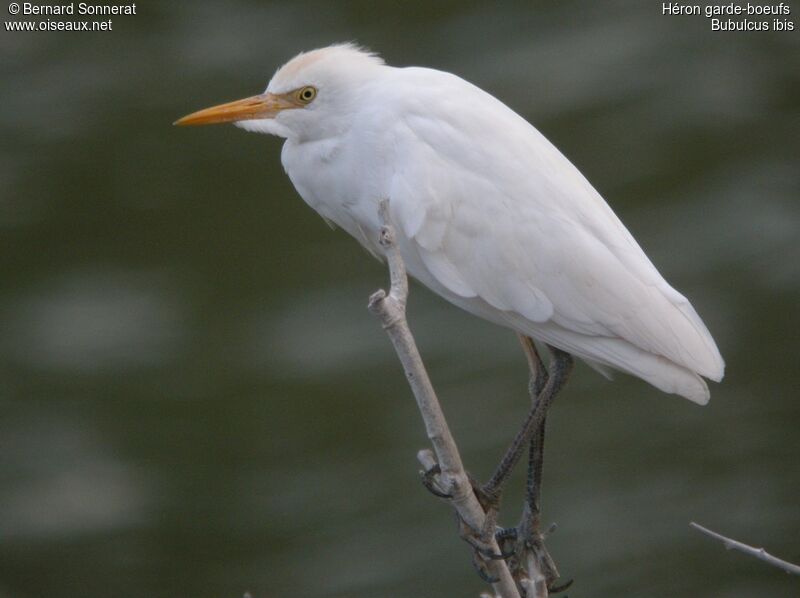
(496, 212)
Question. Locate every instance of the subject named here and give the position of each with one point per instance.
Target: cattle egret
(488, 213)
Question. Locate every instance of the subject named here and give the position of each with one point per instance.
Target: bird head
(308, 98)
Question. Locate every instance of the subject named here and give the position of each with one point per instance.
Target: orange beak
(266, 105)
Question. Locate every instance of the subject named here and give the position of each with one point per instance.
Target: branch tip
(758, 553)
(376, 298)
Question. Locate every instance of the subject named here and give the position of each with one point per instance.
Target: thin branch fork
(391, 310)
(759, 553)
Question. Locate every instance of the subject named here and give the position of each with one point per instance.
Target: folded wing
(510, 222)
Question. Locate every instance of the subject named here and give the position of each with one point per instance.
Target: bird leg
(533, 486)
(528, 541)
(535, 365)
(489, 494)
(527, 538)
(560, 367)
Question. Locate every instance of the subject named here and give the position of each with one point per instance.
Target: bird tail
(619, 354)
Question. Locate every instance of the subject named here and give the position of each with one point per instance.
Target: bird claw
(550, 531)
(553, 589)
(513, 542)
(431, 484)
(528, 543)
(505, 535)
(481, 549)
(480, 568)
(507, 554)
(475, 540)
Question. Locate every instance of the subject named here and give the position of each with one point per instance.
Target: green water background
(195, 402)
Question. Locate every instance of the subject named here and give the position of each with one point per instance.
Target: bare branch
(390, 309)
(758, 553)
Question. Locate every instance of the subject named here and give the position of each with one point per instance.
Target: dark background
(194, 400)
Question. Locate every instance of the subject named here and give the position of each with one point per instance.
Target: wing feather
(496, 213)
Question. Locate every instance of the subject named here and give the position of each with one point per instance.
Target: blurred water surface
(195, 401)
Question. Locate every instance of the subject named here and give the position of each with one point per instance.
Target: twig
(391, 310)
(758, 553)
(536, 584)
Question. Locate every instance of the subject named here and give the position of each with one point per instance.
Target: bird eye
(306, 94)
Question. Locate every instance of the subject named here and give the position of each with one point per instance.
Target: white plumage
(490, 215)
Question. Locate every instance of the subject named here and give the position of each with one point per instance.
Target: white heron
(488, 213)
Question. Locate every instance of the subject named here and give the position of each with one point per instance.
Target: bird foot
(488, 496)
(482, 548)
(430, 480)
(480, 540)
(525, 545)
(476, 538)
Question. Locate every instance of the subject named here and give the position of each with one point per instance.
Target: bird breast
(339, 182)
